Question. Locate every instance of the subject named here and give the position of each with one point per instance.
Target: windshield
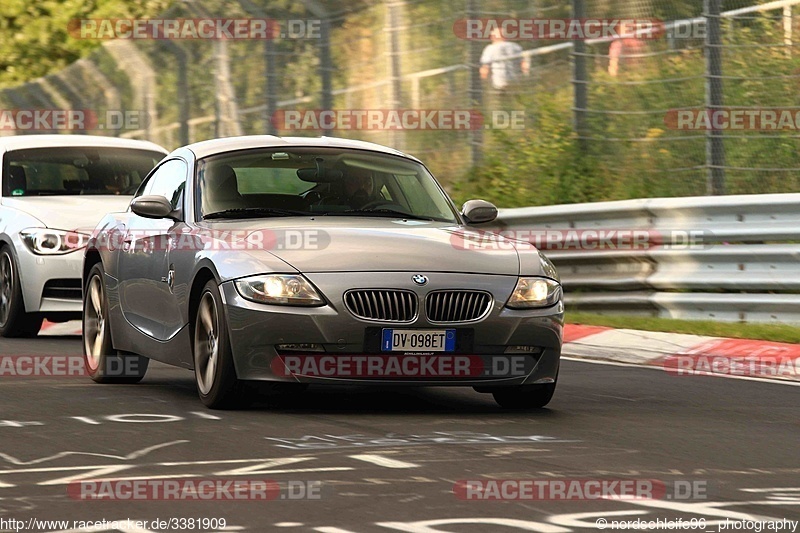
(315, 181)
(67, 170)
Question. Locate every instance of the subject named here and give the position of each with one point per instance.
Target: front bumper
(37, 270)
(255, 330)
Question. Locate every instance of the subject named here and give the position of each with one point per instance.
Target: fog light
(300, 347)
(523, 349)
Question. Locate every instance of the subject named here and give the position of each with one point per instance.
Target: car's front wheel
(14, 321)
(525, 396)
(103, 363)
(217, 384)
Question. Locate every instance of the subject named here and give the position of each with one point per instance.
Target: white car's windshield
(303, 181)
(60, 171)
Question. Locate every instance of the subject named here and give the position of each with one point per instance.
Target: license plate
(418, 340)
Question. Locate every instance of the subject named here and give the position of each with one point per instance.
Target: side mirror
(478, 211)
(152, 206)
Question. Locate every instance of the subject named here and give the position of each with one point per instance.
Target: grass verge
(767, 332)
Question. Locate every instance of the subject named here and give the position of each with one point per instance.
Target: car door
(146, 279)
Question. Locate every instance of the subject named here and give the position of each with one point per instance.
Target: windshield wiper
(382, 213)
(256, 212)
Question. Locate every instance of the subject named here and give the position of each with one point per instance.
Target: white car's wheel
(217, 384)
(103, 363)
(14, 321)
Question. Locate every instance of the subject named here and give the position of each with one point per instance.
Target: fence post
(183, 97)
(142, 77)
(318, 9)
(182, 89)
(580, 80)
(393, 28)
(270, 81)
(715, 146)
(230, 122)
(475, 90)
(271, 98)
(326, 64)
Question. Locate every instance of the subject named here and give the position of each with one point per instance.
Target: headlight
(45, 241)
(534, 292)
(283, 289)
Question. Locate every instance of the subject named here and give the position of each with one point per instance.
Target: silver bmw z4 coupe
(298, 261)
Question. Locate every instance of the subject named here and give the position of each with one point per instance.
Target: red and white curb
(676, 353)
(685, 355)
(59, 329)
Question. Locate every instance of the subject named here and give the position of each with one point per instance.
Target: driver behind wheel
(359, 187)
(355, 189)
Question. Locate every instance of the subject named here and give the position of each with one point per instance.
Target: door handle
(169, 279)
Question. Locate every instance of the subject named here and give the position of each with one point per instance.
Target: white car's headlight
(286, 289)
(46, 241)
(534, 292)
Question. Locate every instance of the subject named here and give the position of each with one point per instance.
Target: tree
(34, 36)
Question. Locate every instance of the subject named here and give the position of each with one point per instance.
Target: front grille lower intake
(385, 305)
(457, 306)
(68, 289)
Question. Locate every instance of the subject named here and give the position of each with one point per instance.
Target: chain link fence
(711, 62)
(585, 119)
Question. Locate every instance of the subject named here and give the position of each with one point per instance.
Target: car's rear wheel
(525, 396)
(103, 363)
(14, 321)
(217, 384)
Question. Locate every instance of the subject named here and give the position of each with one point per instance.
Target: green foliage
(539, 165)
(34, 37)
(631, 150)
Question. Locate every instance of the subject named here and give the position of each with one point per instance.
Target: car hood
(80, 213)
(359, 244)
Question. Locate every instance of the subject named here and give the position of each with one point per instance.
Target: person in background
(624, 48)
(501, 62)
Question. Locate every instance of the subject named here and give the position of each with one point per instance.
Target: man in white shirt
(498, 59)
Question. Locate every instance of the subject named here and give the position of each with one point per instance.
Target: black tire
(215, 374)
(103, 363)
(14, 321)
(525, 396)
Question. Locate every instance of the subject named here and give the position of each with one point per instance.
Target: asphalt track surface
(387, 460)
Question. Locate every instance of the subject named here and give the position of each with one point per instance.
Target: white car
(54, 190)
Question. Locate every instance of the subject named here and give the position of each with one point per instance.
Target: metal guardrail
(740, 264)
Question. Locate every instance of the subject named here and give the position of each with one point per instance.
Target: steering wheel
(312, 197)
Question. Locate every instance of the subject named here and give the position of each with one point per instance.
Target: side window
(169, 180)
